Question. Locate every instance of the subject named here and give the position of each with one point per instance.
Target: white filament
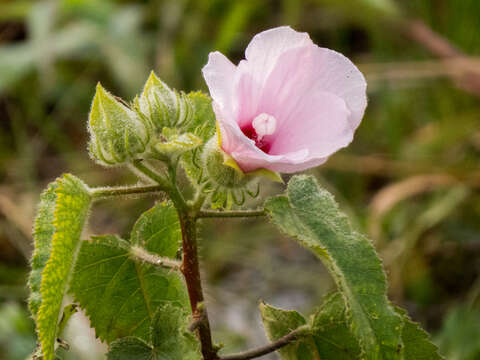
(264, 124)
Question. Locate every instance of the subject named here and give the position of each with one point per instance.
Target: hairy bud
(221, 174)
(163, 106)
(117, 133)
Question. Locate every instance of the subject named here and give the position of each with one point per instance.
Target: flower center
(261, 126)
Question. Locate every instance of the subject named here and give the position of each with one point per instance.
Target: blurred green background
(410, 179)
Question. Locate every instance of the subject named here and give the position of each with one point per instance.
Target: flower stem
(144, 169)
(109, 192)
(230, 214)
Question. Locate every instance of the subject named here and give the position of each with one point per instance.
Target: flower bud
(163, 106)
(117, 134)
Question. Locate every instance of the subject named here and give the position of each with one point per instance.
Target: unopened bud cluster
(120, 133)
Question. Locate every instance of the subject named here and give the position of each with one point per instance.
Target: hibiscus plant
(285, 108)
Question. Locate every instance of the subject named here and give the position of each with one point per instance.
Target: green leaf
(203, 126)
(130, 348)
(332, 334)
(71, 208)
(117, 134)
(311, 215)
(120, 295)
(170, 336)
(158, 230)
(43, 230)
(169, 339)
(417, 344)
(332, 337)
(278, 323)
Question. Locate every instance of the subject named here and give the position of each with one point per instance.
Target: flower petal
(261, 56)
(247, 155)
(265, 48)
(337, 74)
(320, 123)
(219, 75)
(289, 80)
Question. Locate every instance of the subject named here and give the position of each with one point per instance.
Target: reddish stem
(191, 272)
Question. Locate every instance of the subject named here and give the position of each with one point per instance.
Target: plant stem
(230, 214)
(108, 192)
(143, 255)
(140, 166)
(263, 350)
(191, 271)
(187, 215)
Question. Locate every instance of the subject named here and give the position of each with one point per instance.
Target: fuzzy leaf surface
(332, 337)
(417, 343)
(169, 339)
(332, 334)
(43, 230)
(71, 208)
(311, 216)
(278, 323)
(158, 230)
(130, 348)
(120, 294)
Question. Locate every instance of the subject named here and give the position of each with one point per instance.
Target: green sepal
(230, 161)
(222, 175)
(202, 126)
(117, 133)
(265, 173)
(177, 144)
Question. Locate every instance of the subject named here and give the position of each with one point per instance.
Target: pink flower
(289, 105)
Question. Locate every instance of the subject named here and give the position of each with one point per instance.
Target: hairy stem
(263, 350)
(191, 271)
(151, 174)
(187, 214)
(230, 214)
(143, 255)
(109, 192)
